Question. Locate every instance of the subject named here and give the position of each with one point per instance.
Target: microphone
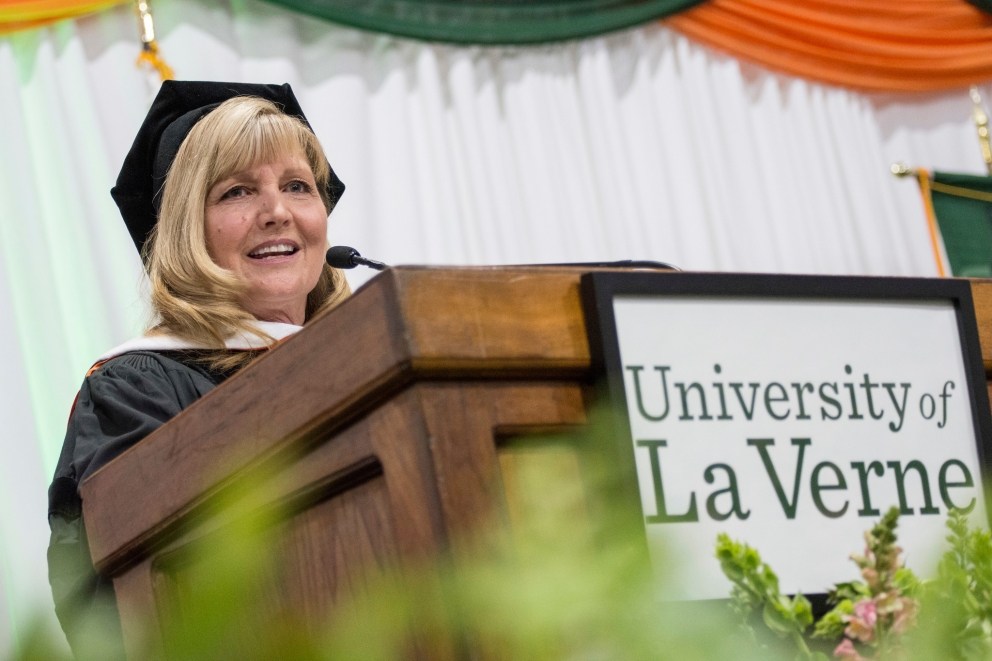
(346, 257)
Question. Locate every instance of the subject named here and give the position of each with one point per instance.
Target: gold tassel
(149, 47)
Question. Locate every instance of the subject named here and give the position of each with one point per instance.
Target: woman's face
(268, 225)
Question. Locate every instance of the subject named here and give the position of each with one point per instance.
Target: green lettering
(816, 486)
(800, 389)
(916, 465)
(946, 486)
(827, 399)
(683, 391)
(731, 490)
(780, 396)
(762, 444)
(635, 371)
(662, 515)
(875, 467)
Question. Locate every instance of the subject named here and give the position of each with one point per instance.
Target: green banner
(962, 205)
(984, 5)
(490, 22)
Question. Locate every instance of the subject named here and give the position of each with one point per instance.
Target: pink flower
(887, 602)
(905, 615)
(871, 576)
(861, 625)
(866, 610)
(846, 651)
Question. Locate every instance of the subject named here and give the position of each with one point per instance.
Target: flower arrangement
(877, 616)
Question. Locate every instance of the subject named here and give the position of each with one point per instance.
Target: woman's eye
(298, 187)
(236, 191)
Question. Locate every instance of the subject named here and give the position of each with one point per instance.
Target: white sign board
(793, 422)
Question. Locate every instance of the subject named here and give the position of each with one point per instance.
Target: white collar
(274, 329)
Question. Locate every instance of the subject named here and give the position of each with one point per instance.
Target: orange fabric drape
(872, 45)
(25, 14)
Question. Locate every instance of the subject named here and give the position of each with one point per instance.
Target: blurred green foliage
(756, 591)
(956, 610)
(557, 586)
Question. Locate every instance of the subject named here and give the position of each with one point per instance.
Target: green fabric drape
(962, 205)
(984, 5)
(490, 21)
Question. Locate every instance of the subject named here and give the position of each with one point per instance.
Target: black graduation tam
(177, 107)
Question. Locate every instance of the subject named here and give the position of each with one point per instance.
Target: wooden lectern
(384, 420)
(381, 427)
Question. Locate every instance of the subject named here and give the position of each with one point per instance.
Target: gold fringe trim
(959, 191)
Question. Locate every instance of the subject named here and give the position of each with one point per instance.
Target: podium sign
(791, 412)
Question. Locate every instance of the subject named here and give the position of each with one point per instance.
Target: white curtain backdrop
(636, 145)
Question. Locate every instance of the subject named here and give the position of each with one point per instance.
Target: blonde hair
(191, 296)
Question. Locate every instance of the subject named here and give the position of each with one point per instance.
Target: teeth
(267, 250)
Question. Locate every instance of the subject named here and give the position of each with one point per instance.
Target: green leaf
(832, 624)
(778, 618)
(802, 612)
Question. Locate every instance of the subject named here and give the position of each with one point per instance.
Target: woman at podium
(226, 193)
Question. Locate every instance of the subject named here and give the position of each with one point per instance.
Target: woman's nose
(273, 210)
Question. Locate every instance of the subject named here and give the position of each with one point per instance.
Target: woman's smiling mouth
(274, 250)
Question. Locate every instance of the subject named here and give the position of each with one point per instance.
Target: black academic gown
(127, 398)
